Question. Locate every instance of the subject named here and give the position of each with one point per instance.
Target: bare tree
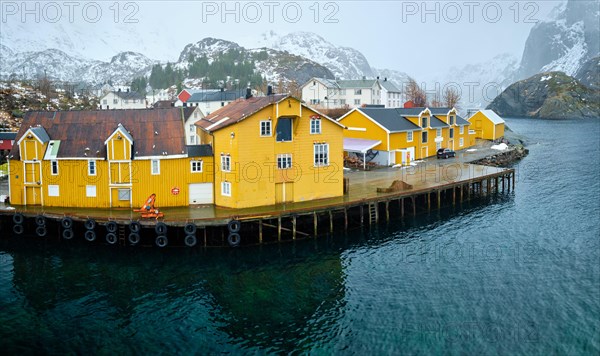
(415, 94)
(451, 97)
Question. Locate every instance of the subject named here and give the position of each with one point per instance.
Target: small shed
(487, 125)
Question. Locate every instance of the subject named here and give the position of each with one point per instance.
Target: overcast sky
(416, 37)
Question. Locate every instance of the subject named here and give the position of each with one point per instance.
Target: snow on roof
(490, 114)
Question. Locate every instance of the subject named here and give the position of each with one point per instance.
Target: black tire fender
(40, 220)
(135, 226)
(18, 218)
(234, 226)
(111, 226)
(67, 234)
(111, 238)
(41, 231)
(234, 239)
(90, 235)
(134, 238)
(190, 240)
(18, 229)
(160, 228)
(190, 228)
(66, 222)
(161, 241)
(90, 224)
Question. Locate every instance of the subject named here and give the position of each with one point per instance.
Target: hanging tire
(135, 226)
(190, 228)
(18, 218)
(161, 241)
(111, 226)
(41, 231)
(90, 224)
(18, 229)
(111, 238)
(234, 239)
(234, 226)
(90, 235)
(67, 234)
(190, 240)
(67, 222)
(134, 238)
(160, 228)
(40, 220)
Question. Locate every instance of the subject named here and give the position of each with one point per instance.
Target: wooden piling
(387, 210)
(330, 222)
(279, 228)
(345, 219)
(315, 223)
(293, 227)
(401, 207)
(414, 206)
(260, 231)
(439, 199)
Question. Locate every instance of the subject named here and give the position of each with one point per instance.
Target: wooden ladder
(373, 213)
(122, 235)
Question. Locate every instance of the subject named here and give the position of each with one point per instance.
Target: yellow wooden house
(108, 159)
(271, 150)
(401, 135)
(487, 125)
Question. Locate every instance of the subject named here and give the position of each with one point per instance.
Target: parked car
(445, 153)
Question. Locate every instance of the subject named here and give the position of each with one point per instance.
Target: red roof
(154, 131)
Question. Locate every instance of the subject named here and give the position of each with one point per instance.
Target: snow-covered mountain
(564, 42)
(344, 62)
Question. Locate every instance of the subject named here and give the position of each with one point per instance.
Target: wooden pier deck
(427, 186)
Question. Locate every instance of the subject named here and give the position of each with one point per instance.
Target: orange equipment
(148, 210)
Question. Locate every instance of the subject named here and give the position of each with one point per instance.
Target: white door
(201, 193)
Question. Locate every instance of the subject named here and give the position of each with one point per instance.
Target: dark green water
(518, 275)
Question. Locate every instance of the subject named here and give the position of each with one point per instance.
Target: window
(451, 132)
(342, 91)
(192, 140)
(265, 128)
(115, 101)
(461, 130)
(105, 101)
(321, 151)
(452, 119)
(315, 101)
(460, 142)
(92, 168)
(155, 167)
(424, 137)
(284, 161)
(409, 136)
(124, 194)
(424, 122)
(225, 163)
(438, 145)
(357, 91)
(135, 101)
(54, 167)
(90, 191)
(342, 101)
(226, 189)
(284, 130)
(53, 190)
(439, 132)
(196, 166)
(126, 101)
(192, 128)
(356, 101)
(315, 126)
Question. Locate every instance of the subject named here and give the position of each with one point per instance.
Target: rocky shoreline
(505, 158)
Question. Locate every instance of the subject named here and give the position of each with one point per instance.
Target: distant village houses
(122, 100)
(322, 93)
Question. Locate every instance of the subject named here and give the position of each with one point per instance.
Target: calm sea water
(517, 275)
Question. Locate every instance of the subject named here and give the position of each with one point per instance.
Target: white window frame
(193, 127)
(92, 168)
(90, 191)
(438, 132)
(425, 123)
(357, 91)
(315, 126)
(461, 142)
(53, 190)
(54, 167)
(409, 136)
(451, 133)
(266, 124)
(225, 163)
(226, 189)
(461, 130)
(284, 161)
(196, 166)
(321, 149)
(438, 145)
(356, 101)
(154, 171)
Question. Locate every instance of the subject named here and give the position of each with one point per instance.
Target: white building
(122, 100)
(211, 100)
(155, 95)
(325, 93)
(191, 136)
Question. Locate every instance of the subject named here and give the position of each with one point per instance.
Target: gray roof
(227, 95)
(349, 84)
(199, 151)
(436, 123)
(41, 133)
(8, 135)
(461, 122)
(129, 95)
(329, 83)
(439, 111)
(389, 86)
(410, 111)
(391, 119)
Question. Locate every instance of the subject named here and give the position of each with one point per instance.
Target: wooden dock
(374, 196)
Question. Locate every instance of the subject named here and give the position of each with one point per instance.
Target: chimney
(377, 77)
(364, 77)
(248, 93)
(385, 79)
(222, 89)
(128, 90)
(269, 90)
(119, 90)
